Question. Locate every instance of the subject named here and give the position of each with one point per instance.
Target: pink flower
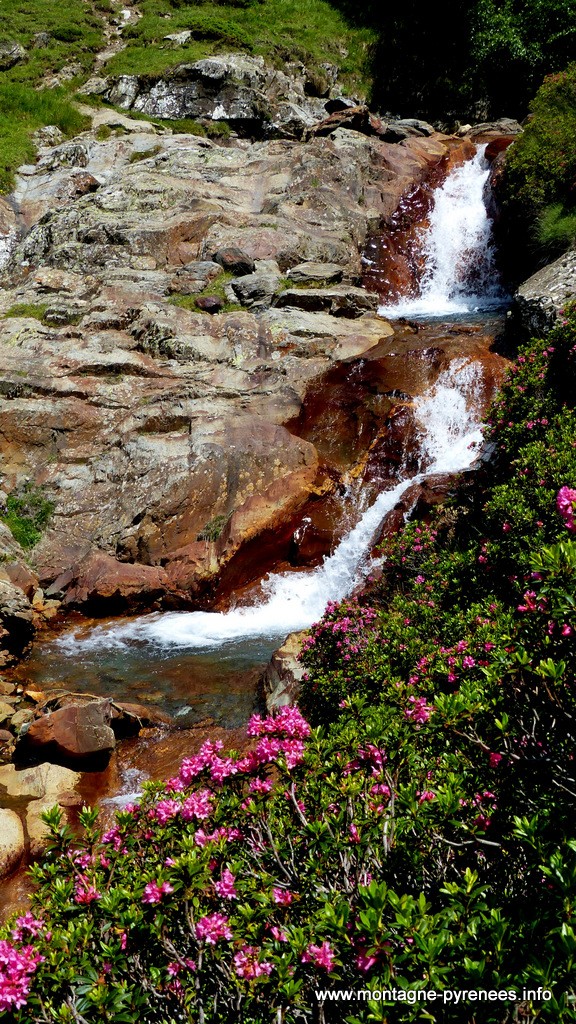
(247, 965)
(123, 940)
(322, 956)
(426, 796)
(212, 928)
(260, 785)
(420, 711)
(287, 722)
(165, 810)
(225, 887)
(364, 961)
(282, 896)
(197, 805)
(354, 834)
(494, 760)
(278, 934)
(153, 892)
(26, 923)
(84, 892)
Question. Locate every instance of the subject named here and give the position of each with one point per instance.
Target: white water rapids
(449, 438)
(460, 272)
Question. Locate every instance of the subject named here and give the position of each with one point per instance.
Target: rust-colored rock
(79, 732)
(100, 579)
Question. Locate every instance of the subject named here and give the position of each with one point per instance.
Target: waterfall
(460, 274)
(449, 436)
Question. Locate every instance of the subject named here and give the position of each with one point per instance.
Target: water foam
(460, 274)
(450, 435)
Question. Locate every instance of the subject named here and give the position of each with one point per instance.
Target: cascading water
(449, 438)
(460, 274)
(7, 246)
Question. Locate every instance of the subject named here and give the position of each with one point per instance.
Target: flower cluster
(566, 505)
(16, 969)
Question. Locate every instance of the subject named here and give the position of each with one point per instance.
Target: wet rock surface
(280, 682)
(539, 301)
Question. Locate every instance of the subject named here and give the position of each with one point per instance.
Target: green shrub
(27, 512)
(537, 188)
(556, 229)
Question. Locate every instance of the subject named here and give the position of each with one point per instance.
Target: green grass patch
(22, 111)
(26, 514)
(213, 529)
(31, 310)
(217, 288)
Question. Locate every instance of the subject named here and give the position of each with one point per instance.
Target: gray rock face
(540, 299)
(244, 91)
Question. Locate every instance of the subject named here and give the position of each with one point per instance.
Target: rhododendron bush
(411, 825)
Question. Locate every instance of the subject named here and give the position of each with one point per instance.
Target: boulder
(49, 782)
(209, 303)
(77, 733)
(11, 53)
(233, 260)
(16, 620)
(253, 97)
(357, 119)
(343, 301)
(194, 277)
(41, 788)
(538, 302)
(12, 843)
(255, 291)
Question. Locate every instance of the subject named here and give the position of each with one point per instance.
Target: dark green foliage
(537, 191)
(27, 512)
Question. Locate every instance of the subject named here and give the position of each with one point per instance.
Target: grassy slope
(279, 30)
(75, 31)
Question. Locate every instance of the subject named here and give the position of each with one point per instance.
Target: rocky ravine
(156, 431)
